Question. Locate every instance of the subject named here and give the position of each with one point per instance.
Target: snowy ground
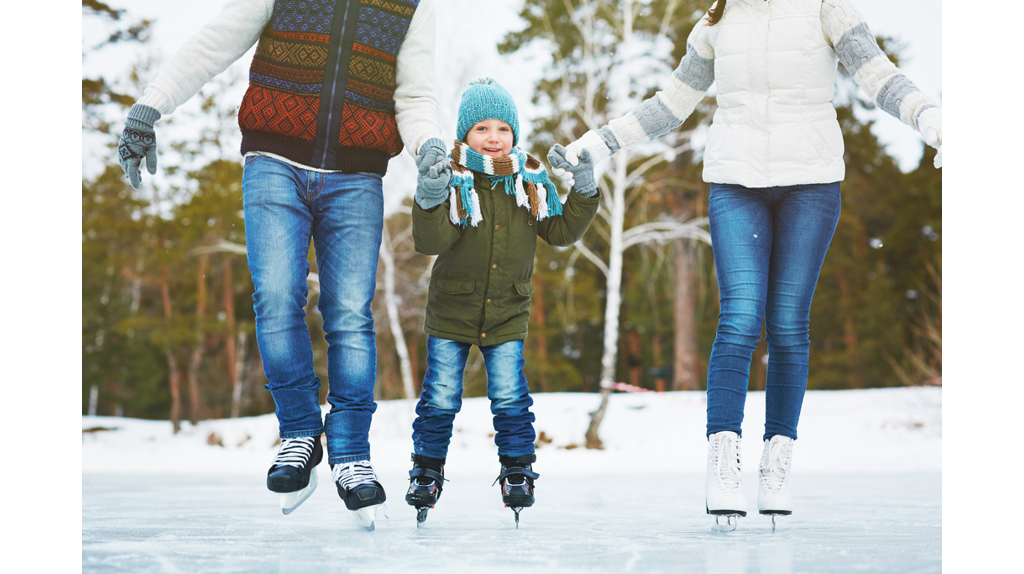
(867, 474)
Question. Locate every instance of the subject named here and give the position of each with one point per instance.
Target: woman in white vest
(774, 159)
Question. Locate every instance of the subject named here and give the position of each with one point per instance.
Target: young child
(483, 227)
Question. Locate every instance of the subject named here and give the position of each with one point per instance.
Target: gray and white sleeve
(209, 52)
(664, 111)
(848, 34)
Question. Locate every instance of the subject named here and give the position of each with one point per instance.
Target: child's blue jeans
(441, 399)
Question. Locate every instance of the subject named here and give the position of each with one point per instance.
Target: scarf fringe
(522, 174)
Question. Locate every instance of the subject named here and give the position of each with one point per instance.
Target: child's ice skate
(426, 481)
(516, 480)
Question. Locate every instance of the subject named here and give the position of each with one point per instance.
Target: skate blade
(421, 516)
(726, 522)
(366, 516)
(291, 500)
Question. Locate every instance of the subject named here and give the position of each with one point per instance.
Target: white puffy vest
(775, 124)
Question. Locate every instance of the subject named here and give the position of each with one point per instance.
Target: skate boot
(773, 495)
(723, 489)
(516, 480)
(361, 490)
(293, 472)
(426, 481)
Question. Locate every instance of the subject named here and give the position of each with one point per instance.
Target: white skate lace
(295, 451)
(352, 474)
(728, 461)
(773, 474)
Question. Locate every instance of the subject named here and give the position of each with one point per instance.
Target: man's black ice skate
(516, 480)
(293, 473)
(361, 490)
(426, 481)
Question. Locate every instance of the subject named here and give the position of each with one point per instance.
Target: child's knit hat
(485, 99)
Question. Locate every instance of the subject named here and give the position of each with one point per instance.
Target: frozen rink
(867, 480)
(595, 523)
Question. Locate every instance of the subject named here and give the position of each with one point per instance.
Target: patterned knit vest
(322, 84)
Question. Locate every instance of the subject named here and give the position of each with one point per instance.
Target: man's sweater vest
(322, 83)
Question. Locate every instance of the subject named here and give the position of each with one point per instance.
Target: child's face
(490, 137)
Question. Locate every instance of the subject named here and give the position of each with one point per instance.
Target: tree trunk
(395, 322)
(684, 365)
(172, 363)
(230, 349)
(634, 360)
(197, 349)
(540, 336)
(850, 339)
(236, 392)
(592, 440)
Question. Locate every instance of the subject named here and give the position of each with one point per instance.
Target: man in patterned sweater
(336, 88)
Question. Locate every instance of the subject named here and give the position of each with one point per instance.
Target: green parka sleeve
(432, 232)
(578, 213)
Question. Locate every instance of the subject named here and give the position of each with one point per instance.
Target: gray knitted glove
(580, 176)
(435, 173)
(138, 141)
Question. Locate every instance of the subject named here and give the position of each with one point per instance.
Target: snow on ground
(867, 483)
(877, 430)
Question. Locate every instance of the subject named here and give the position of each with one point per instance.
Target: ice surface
(866, 479)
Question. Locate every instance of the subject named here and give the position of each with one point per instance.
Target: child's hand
(579, 176)
(435, 173)
(930, 125)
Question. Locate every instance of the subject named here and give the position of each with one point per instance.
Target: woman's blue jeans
(441, 398)
(343, 213)
(769, 244)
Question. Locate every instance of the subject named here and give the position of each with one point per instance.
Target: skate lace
(352, 474)
(295, 451)
(728, 461)
(773, 474)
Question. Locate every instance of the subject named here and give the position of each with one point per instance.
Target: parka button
(488, 300)
(497, 226)
(495, 266)
(483, 335)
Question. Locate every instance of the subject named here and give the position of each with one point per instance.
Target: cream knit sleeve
(416, 106)
(848, 34)
(664, 111)
(209, 52)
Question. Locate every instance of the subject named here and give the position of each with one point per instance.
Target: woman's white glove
(929, 123)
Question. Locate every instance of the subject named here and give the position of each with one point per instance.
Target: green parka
(480, 285)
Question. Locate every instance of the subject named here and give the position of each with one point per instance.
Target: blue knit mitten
(435, 173)
(138, 141)
(580, 176)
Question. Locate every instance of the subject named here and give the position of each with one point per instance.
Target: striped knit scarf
(532, 189)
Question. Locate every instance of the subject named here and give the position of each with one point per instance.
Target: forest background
(167, 323)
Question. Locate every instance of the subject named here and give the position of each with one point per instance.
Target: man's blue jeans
(441, 399)
(343, 214)
(769, 244)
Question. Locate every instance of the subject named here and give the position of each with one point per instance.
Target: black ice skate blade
(421, 515)
(726, 512)
(776, 512)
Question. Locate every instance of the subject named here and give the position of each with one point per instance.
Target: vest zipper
(334, 89)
